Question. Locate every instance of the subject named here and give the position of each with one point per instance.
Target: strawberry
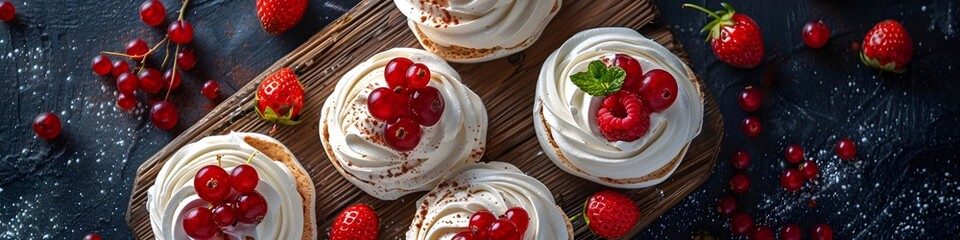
(610, 214)
(734, 37)
(887, 47)
(280, 98)
(278, 16)
(356, 222)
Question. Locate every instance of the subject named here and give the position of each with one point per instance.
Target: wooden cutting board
(505, 85)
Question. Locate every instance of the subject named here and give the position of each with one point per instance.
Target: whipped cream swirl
(353, 139)
(173, 194)
(566, 116)
(507, 26)
(495, 187)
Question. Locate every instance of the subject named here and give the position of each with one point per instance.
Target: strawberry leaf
(599, 79)
(270, 115)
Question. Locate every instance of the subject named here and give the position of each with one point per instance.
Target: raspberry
(623, 117)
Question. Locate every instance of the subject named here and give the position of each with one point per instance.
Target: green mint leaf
(599, 79)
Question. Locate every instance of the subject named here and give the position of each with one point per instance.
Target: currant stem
(182, 8)
(145, 55)
(173, 71)
(687, 5)
(219, 163)
(166, 54)
(254, 154)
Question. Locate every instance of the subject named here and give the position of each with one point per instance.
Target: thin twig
(166, 55)
(173, 72)
(251, 157)
(145, 55)
(182, 8)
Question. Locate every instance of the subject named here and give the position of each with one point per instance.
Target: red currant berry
(750, 126)
(101, 65)
(846, 149)
(727, 206)
(426, 106)
(465, 235)
(750, 99)
(198, 223)
(186, 60)
(815, 34)
(7, 11)
(211, 89)
(503, 229)
(152, 12)
(740, 160)
(92, 236)
(418, 76)
(791, 232)
(793, 153)
(180, 31)
(742, 224)
(519, 217)
(791, 180)
(244, 178)
(127, 83)
(762, 233)
(808, 169)
(46, 125)
(480, 222)
(171, 79)
(137, 48)
(212, 184)
(224, 215)
(403, 135)
(395, 73)
(822, 232)
(658, 90)
(633, 81)
(126, 101)
(250, 207)
(150, 80)
(381, 104)
(164, 115)
(120, 67)
(740, 183)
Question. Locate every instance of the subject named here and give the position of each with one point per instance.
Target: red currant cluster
(484, 225)
(625, 114)
(406, 104)
(791, 179)
(741, 223)
(750, 99)
(234, 199)
(148, 79)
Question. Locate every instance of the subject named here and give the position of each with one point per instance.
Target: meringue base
(276, 151)
(552, 150)
(461, 54)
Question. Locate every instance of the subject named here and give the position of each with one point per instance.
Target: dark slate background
(905, 184)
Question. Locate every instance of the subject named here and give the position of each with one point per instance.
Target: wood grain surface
(505, 85)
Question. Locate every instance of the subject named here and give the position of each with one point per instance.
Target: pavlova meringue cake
(496, 188)
(632, 135)
(385, 139)
(285, 188)
(476, 31)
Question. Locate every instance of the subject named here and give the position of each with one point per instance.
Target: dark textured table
(905, 185)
